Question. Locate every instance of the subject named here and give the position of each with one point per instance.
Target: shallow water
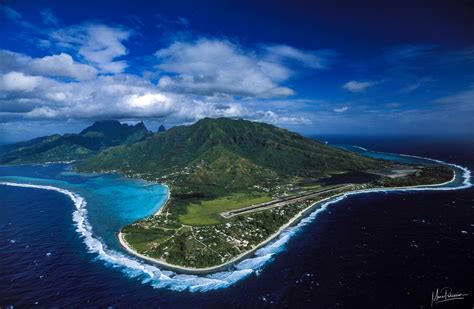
(112, 201)
(40, 222)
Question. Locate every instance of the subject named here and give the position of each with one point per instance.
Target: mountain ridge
(218, 152)
(100, 135)
(218, 166)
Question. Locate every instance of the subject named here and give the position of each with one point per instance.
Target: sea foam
(151, 274)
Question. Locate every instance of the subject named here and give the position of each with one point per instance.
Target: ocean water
(383, 250)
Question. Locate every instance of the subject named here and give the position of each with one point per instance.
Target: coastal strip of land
(294, 220)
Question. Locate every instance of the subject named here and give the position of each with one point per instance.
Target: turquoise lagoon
(106, 203)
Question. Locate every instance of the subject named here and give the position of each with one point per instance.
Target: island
(233, 184)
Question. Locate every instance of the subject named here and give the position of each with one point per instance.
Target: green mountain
(100, 135)
(215, 155)
(233, 183)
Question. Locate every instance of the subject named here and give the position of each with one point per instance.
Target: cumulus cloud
(11, 61)
(19, 82)
(105, 96)
(122, 97)
(84, 78)
(212, 67)
(219, 67)
(61, 65)
(97, 44)
(198, 109)
(355, 86)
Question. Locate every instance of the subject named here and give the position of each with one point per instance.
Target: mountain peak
(161, 128)
(100, 135)
(140, 126)
(219, 149)
(113, 127)
(103, 126)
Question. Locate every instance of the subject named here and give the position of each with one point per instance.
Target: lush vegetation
(101, 135)
(217, 165)
(230, 152)
(208, 245)
(207, 211)
(202, 245)
(215, 158)
(212, 166)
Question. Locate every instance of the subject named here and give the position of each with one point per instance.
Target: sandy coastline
(300, 215)
(206, 270)
(168, 195)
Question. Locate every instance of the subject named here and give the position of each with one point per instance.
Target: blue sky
(316, 68)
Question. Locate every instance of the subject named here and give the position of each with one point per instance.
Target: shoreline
(168, 196)
(464, 182)
(294, 220)
(243, 255)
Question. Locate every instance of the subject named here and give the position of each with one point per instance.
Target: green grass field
(207, 212)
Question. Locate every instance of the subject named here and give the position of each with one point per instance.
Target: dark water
(351, 177)
(378, 250)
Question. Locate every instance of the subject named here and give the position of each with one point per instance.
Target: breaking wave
(465, 173)
(159, 278)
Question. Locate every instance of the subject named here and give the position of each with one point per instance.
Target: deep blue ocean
(373, 250)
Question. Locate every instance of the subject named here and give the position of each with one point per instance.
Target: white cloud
(341, 109)
(212, 67)
(203, 78)
(219, 67)
(105, 96)
(125, 97)
(104, 45)
(275, 118)
(61, 65)
(19, 82)
(42, 113)
(149, 103)
(11, 61)
(97, 44)
(355, 86)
